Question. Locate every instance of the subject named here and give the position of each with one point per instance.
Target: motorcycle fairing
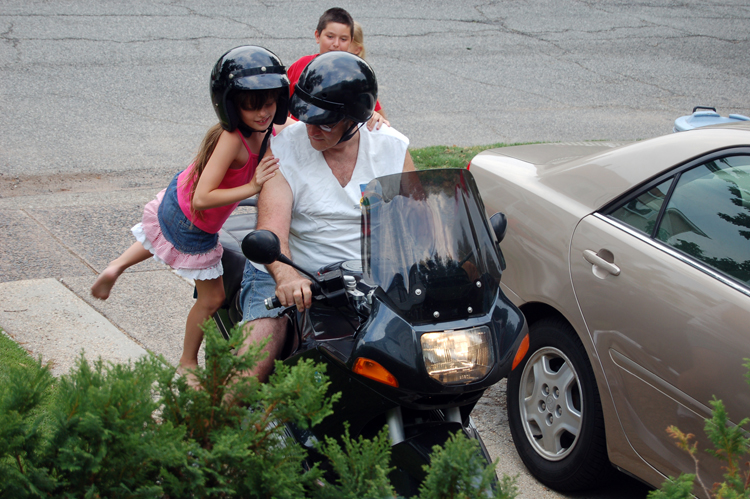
(427, 243)
(390, 340)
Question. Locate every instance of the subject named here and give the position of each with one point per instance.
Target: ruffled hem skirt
(203, 266)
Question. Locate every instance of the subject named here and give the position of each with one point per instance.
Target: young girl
(357, 45)
(250, 91)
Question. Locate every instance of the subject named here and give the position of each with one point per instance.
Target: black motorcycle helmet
(247, 68)
(335, 86)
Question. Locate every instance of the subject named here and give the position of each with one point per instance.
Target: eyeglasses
(328, 128)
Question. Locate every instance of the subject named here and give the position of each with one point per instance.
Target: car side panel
(540, 224)
(536, 249)
(669, 337)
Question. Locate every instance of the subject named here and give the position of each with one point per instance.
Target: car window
(708, 216)
(642, 212)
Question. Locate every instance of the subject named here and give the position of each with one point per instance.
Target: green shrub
(458, 472)
(361, 468)
(136, 430)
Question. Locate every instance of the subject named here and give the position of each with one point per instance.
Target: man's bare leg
(262, 329)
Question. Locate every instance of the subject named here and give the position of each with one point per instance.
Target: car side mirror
(499, 225)
(261, 246)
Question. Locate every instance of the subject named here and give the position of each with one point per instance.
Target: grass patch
(13, 356)
(449, 156)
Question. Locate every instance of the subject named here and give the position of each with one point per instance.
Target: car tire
(554, 410)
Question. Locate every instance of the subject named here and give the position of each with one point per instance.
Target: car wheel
(555, 412)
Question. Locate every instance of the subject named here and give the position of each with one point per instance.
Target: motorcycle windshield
(427, 243)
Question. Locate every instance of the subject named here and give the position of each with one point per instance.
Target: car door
(662, 279)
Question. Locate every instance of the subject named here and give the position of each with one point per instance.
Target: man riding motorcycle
(313, 204)
(406, 314)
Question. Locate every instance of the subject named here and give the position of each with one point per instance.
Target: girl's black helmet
(335, 86)
(247, 68)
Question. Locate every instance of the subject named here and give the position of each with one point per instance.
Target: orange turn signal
(371, 369)
(521, 353)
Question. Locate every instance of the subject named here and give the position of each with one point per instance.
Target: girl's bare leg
(210, 298)
(103, 284)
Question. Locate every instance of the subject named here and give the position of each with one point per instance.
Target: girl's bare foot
(190, 377)
(103, 284)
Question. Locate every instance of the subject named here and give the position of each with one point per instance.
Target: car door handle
(595, 259)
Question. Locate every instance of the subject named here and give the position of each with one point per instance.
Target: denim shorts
(256, 287)
(180, 231)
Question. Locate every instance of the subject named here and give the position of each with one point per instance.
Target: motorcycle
(414, 332)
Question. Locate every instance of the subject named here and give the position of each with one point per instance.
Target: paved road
(121, 86)
(103, 101)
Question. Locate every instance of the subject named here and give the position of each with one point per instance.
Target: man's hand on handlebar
(294, 290)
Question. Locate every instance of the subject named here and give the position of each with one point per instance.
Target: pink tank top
(213, 218)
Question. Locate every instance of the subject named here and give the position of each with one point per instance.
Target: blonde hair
(358, 40)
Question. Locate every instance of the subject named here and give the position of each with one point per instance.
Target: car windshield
(427, 243)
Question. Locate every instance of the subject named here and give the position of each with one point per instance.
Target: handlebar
(273, 301)
(707, 108)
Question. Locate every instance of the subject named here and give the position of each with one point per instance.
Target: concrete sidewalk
(53, 247)
(47, 319)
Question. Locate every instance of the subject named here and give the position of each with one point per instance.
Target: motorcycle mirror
(261, 246)
(499, 225)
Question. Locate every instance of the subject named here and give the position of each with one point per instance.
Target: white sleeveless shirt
(325, 225)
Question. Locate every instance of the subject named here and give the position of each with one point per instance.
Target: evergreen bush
(138, 431)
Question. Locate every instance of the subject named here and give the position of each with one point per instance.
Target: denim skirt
(175, 241)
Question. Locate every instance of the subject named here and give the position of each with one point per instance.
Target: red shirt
(295, 70)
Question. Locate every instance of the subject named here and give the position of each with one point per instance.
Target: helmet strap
(264, 144)
(245, 130)
(351, 132)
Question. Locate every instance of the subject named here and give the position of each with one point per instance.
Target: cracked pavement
(122, 86)
(102, 102)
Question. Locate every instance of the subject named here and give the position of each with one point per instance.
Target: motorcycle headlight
(458, 357)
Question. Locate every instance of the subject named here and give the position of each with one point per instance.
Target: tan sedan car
(632, 266)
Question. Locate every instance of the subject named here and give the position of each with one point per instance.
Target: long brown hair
(201, 160)
(247, 100)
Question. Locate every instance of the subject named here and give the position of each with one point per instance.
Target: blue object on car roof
(708, 116)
